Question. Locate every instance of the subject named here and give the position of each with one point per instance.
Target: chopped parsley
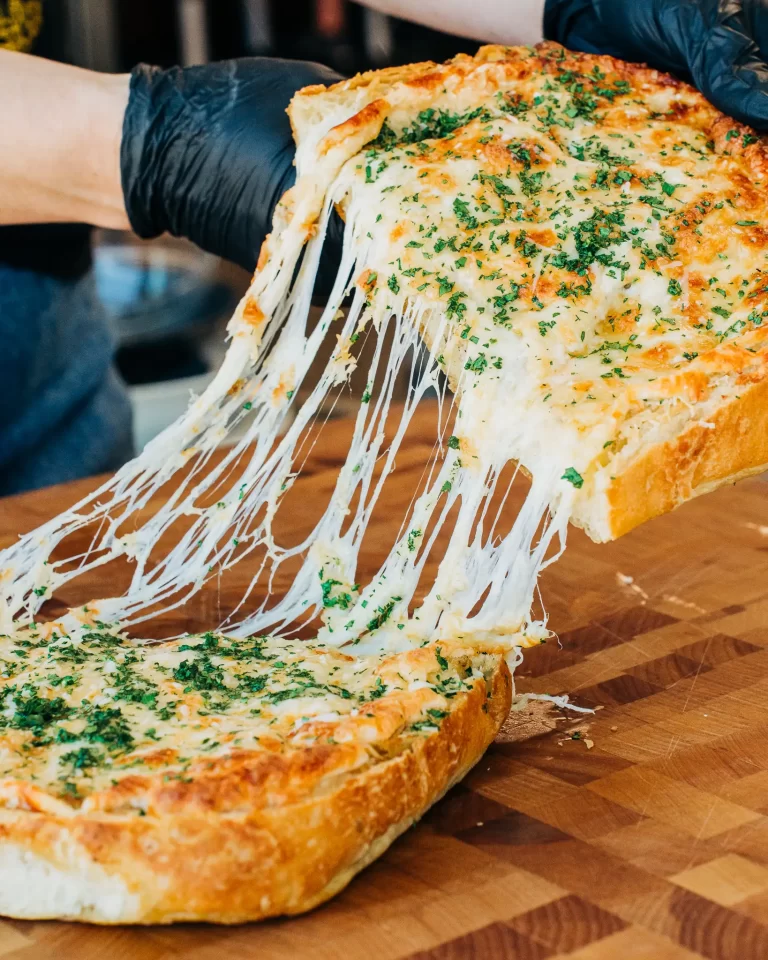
(573, 477)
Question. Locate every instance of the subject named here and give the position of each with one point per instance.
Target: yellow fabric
(20, 23)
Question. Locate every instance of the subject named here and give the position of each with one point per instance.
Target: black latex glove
(207, 151)
(721, 46)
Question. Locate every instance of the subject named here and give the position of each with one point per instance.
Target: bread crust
(713, 446)
(730, 445)
(195, 862)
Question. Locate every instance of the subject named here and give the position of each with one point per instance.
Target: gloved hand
(721, 46)
(207, 151)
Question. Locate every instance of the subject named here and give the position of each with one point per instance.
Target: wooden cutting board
(639, 832)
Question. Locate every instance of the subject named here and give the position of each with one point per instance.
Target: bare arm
(60, 143)
(496, 21)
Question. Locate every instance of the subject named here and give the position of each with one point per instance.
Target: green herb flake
(573, 477)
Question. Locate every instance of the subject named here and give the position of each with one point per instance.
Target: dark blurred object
(168, 305)
(339, 33)
(162, 300)
(351, 39)
(153, 291)
(115, 35)
(147, 30)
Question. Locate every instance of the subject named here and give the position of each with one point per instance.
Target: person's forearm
(492, 21)
(60, 143)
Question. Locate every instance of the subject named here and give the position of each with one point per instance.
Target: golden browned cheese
(219, 779)
(598, 218)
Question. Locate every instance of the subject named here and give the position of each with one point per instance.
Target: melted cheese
(588, 268)
(81, 712)
(605, 253)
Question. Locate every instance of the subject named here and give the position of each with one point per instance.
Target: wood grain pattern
(652, 844)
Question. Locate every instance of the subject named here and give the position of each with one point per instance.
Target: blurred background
(168, 301)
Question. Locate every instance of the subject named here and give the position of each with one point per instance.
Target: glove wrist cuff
(141, 155)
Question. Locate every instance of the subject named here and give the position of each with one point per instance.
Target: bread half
(689, 412)
(243, 833)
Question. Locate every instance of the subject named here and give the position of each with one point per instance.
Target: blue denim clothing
(64, 412)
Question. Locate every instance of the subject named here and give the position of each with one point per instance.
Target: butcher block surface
(637, 832)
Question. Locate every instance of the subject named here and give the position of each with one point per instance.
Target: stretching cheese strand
(259, 379)
(485, 583)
